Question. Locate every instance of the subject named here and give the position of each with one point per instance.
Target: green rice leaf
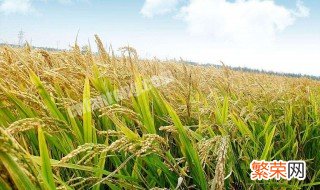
(87, 117)
(20, 179)
(45, 161)
(50, 104)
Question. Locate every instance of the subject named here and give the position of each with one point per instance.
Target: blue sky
(278, 35)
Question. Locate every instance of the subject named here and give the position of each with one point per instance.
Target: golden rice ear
(27, 47)
(104, 56)
(219, 176)
(7, 55)
(46, 57)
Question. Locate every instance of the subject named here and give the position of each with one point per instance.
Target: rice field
(81, 120)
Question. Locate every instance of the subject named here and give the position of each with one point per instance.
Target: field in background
(200, 131)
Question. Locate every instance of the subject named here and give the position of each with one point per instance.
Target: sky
(273, 35)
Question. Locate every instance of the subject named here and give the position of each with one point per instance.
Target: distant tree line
(44, 48)
(249, 70)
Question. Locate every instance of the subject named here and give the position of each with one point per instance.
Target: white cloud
(241, 21)
(158, 7)
(26, 6)
(302, 11)
(15, 6)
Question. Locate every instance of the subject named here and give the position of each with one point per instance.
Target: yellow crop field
(76, 119)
